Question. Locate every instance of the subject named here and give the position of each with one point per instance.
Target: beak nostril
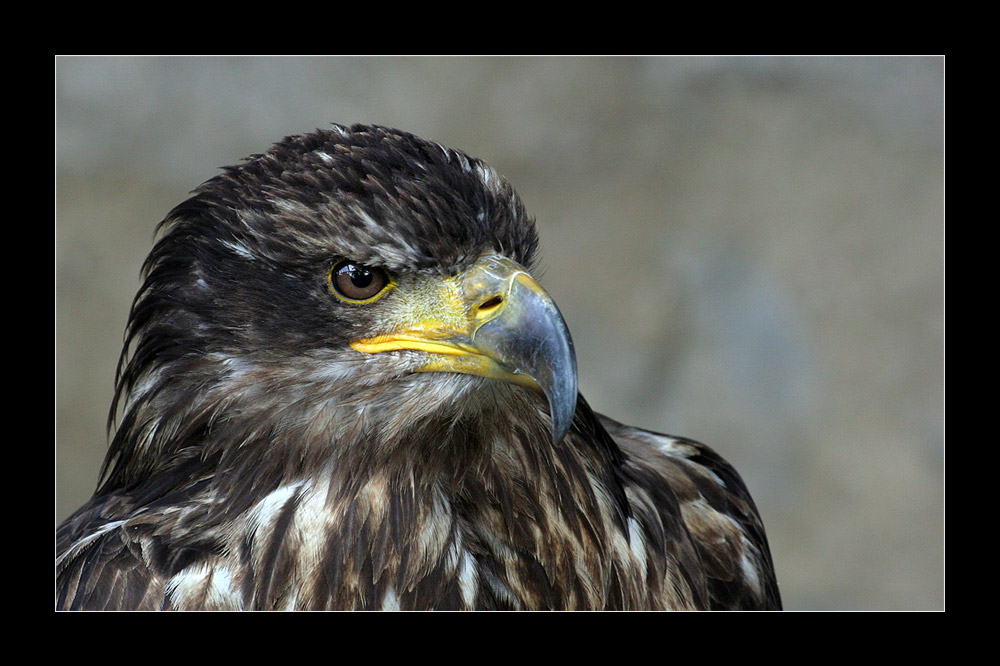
(491, 303)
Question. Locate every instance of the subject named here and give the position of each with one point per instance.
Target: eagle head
(339, 288)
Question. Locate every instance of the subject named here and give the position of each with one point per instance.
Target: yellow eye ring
(356, 283)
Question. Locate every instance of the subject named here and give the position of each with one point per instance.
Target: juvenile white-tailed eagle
(341, 388)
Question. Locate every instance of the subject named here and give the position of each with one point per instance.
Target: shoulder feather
(717, 511)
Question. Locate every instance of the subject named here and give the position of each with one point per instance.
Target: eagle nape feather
(342, 388)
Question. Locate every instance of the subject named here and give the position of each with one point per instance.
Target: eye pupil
(355, 282)
(361, 277)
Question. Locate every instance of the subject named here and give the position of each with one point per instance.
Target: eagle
(342, 388)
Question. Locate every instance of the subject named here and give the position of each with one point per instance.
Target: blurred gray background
(748, 251)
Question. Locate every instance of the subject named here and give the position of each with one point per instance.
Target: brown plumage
(341, 389)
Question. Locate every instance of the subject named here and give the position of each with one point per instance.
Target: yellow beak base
(493, 321)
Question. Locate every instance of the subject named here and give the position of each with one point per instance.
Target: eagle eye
(356, 283)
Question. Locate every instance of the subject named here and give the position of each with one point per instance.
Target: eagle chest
(384, 545)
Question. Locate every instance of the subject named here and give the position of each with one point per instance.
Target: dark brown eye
(357, 283)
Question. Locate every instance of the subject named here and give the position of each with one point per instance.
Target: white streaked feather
(239, 249)
(264, 513)
(468, 579)
(203, 584)
(637, 542)
(84, 542)
(390, 602)
(750, 569)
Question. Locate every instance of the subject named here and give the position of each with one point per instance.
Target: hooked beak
(495, 321)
